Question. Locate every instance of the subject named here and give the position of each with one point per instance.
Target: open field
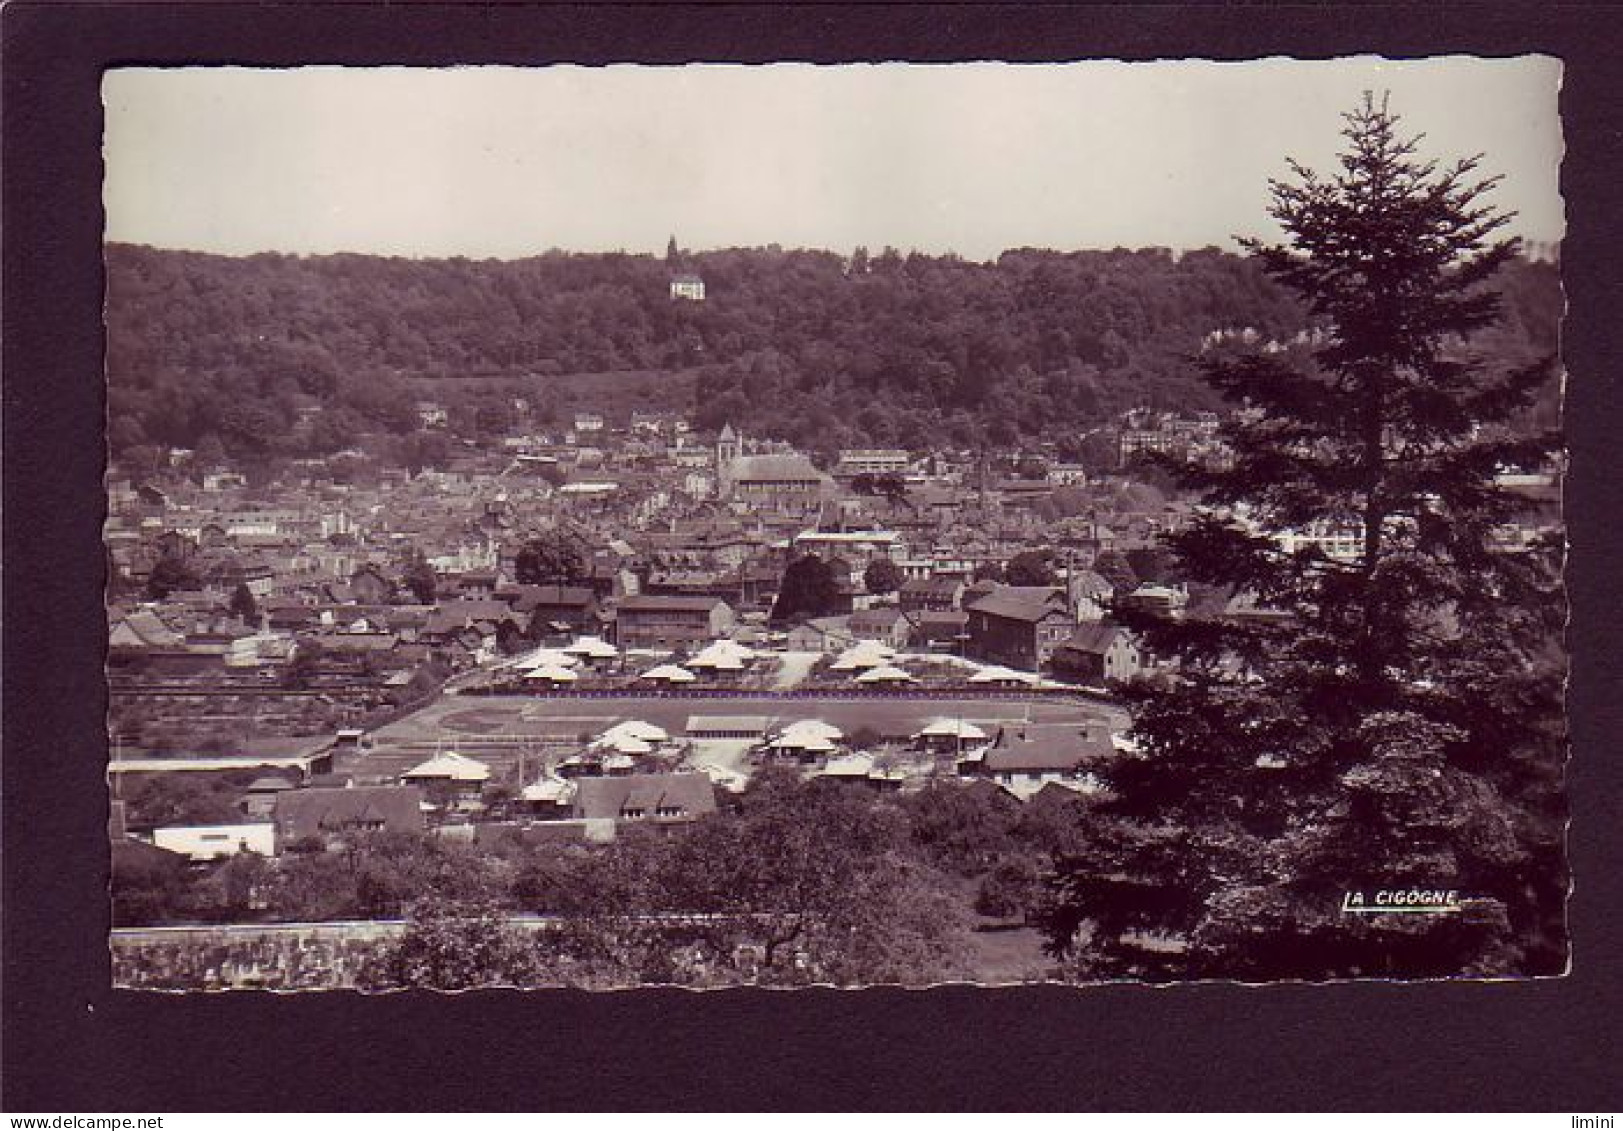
(495, 728)
(561, 717)
(1011, 954)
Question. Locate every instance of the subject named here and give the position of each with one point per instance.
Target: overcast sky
(971, 158)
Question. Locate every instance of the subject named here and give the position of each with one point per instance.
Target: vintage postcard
(791, 525)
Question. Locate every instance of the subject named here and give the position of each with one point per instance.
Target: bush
(1009, 890)
(455, 946)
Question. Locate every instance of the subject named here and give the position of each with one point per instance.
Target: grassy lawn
(1009, 955)
(477, 721)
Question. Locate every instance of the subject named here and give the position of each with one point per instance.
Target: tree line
(276, 354)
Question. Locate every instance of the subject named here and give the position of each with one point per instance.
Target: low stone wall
(272, 957)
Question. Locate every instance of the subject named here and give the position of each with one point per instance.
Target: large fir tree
(1392, 716)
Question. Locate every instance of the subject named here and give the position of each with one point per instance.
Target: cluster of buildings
(289, 624)
(311, 611)
(320, 606)
(376, 590)
(631, 774)
(685, 540)
(1195, 437)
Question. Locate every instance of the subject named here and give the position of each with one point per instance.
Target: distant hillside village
(277, 627)
(412, 578)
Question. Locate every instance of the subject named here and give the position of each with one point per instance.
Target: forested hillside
(815, 347)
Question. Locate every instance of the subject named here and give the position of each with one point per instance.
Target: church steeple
(729, 447)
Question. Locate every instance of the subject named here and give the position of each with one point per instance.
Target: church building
(779, 482)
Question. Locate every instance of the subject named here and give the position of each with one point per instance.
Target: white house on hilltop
(690, 287)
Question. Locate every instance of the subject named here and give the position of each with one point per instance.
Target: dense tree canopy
(556, 556)
(814, 880)
(420, 579)
(455, 945)
(301, 354)
(882, 576)
(791, 882)
(1031, 567)
(809, 588)
(169, 574)
(243, 606)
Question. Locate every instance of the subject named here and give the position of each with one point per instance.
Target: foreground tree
(1400, 725)
(795, 882)
(147, 884)
(1009, 890)
(454, 945)
(814, 883)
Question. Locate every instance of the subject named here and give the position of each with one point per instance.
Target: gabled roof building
(645, 798)
(330, 812)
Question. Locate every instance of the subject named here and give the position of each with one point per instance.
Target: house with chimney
(555, 612)
(940, 631)
(887, 624)
(1089, 594)
(821, 634)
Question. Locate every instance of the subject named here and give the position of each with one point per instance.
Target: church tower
(729, 447)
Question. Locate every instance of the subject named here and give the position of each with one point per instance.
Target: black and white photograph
(835, 525)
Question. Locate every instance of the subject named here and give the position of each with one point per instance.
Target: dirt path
(794, 668)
